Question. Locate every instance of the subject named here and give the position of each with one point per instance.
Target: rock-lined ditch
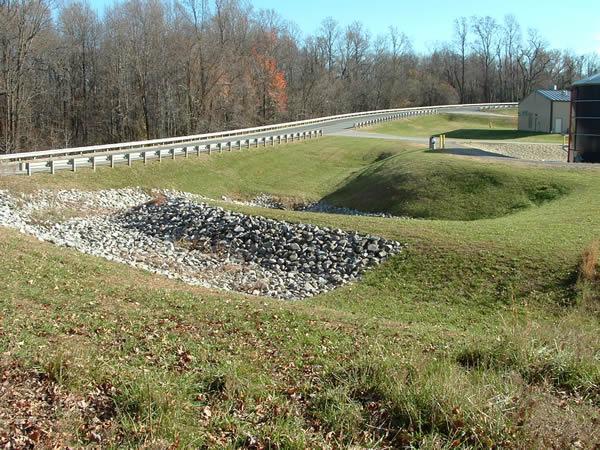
(271, 202)
(176, 236)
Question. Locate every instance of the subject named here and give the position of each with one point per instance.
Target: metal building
(584, 138)
(545, 111)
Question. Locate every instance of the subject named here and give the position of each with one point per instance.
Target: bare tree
(533, 62)
(79, 29)
(327, 40)
(22, 22)
(152, 68)
(485, 30)
(461, 34)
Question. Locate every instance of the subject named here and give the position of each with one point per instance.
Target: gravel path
(522, 150)
(176, 236)
(517, 150)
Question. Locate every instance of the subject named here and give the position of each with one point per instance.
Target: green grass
(505, 111)
(479, 334)
(297, 171)
(383, 176)
(424, 185)
(462, 126)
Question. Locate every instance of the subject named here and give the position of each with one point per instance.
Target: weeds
(590, 259)
(588, 282)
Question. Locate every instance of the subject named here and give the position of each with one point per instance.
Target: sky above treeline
(572, 25)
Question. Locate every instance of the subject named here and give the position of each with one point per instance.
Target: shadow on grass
(468, 152)
(491, 134)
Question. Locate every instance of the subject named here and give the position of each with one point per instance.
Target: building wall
(561, 111)
(534, 113)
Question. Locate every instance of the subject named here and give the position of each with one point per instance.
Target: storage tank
(584, 135)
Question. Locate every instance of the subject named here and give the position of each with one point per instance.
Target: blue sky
(571, 24)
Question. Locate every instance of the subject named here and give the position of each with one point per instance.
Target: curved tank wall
(585, 120)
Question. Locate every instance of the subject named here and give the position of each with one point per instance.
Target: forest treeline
(155, 68)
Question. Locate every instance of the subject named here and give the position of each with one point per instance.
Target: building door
(558, 125)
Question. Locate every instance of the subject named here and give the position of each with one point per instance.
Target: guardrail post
(129, 159)
(173, 153)
(145, 156)
(240, 145)
(29, 172)
(220, 147)
(159, 155)
(187, 152)
(73, 165)
(112, 161)
(197, 150)
(52, 167)
(229, 146)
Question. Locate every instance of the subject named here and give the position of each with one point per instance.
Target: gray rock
(200, 244)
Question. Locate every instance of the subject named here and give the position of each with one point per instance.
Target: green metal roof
(594, 79)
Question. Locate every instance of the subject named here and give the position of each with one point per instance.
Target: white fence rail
(15, 157)
(498, 106)
(396, 116)
(145, 155)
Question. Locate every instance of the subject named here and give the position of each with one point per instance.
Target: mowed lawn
(464, 126)
(484, 332)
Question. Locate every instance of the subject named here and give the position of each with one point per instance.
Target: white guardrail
(145, 155)
(140, 150)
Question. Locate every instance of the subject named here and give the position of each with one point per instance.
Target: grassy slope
(385, 176)
(395, 351)
(424, 185)
(461, 126)
(295, 170)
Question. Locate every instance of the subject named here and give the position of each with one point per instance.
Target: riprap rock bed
(201, 244)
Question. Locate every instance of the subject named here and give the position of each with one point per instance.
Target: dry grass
(589, 276)
(590, 259)
(158, 200)
(49, 216)
(47, 415)
(553, 421)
